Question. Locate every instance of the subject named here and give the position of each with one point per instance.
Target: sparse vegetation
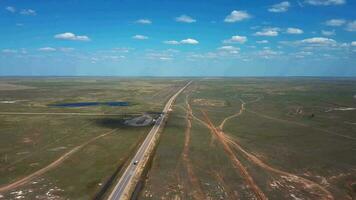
(273, 138)
(67, 156)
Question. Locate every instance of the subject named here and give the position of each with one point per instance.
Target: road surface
(126, 181)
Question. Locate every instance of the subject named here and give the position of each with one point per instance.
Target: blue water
(85, 104)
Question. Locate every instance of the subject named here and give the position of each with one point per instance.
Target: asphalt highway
(125, 182)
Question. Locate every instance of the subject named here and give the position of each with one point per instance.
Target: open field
(51, 152)
(258, 138)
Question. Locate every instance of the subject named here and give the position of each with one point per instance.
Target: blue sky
(178, 38)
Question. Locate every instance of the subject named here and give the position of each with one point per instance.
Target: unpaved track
(221, 126)
(54, 164)
(325, 194)
(194, 181)
(42, 148)
(236, 162)
(307, 183)
(231, 194)
(301, 124)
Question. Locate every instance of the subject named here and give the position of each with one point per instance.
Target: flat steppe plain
(258, 138)
(49, 152)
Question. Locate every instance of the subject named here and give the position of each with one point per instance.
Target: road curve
(122, 188)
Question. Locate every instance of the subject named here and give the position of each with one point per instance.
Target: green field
(231, 138)
(79, 159)
(287, 138)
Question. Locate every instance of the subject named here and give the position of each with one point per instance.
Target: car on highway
(135, 163)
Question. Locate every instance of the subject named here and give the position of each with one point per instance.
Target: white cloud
(325, 2)
(335, 22)
(271, 32)
(144, 21)
(236, 16)
(229, 49)
(172, 42)
(280, 7)
(262, 42)
(139, 37)
(351, 26)
(165, 58)
(10, 9)
(66, 49)
(9, 51)
(185, 19)
(236, 39)
(318, 41)
(47, 49)
(123, 49)
(28, 12)
(328, 33)
(268, 53)
(189, 41)
(295, 31)
(164, 55)
(353, 43)
(185, 41)
(71, 36)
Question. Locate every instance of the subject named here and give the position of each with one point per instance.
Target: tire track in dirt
(54, 164)
(307, 183)
(234, 143)
(230, 193)
(194, 181)
(40, 149)
(300, 124)
(221, 126)
(255, 160)
(236, 162)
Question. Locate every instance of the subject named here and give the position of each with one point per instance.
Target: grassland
(258, 138)
(49, 153)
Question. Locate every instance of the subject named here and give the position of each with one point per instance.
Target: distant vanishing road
(123, 186)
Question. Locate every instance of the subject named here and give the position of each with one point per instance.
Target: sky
(178, 38)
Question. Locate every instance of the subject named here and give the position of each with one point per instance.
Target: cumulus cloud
(262, 42)
(302, 54)
(268, 53)
(351, 26)
(66, 49)
(143, 21)
(318, 41)
(236, 39)
(139, 37)
(71, 36)
(328, 33)
(10, 9)
(229, 49)
(185, 19)
(335, 22)
(189, 41)
(325, 2)
(47, 49)
(172, 42)
(9, 51)
(236, 16)
(28, 12)
(294, 31)
(270, 32)
(280, 7)
(353, 43)
(185, 41)
(164, 55)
